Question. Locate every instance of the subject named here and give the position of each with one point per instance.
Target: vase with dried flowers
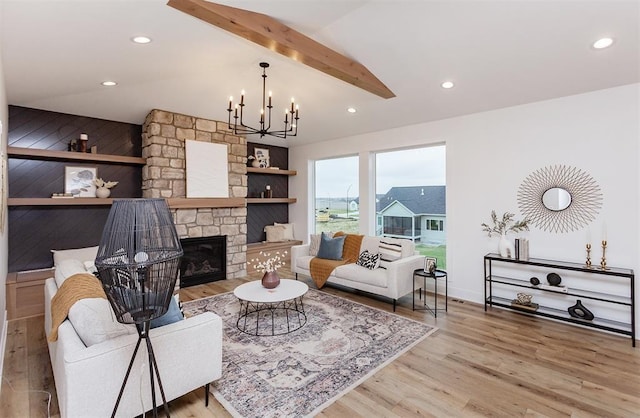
(102, 187)
(269, 266)
(502, 227)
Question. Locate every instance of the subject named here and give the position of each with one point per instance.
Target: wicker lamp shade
(138, 259)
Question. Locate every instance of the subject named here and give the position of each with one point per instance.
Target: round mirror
(556, 199)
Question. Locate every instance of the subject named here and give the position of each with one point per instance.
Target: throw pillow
(173, 314)
(274, 233)
(390, 251)
(314, 243)
(95, 322)
(288, 230)
(82, 254)
(331, 248)
(368, 260)
(67, 268)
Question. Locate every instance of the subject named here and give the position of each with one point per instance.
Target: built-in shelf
(259, 200)
(174, 203)
(52, 155)
(271, 171)
(50, 201)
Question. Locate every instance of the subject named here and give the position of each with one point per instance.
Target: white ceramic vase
(103, 192)
(506, 247)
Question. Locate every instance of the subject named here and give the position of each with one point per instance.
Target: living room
(490, 151)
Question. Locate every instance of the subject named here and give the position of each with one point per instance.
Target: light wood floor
(498, 363)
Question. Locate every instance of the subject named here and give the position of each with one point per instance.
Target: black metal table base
(292, 310)
(438, 274)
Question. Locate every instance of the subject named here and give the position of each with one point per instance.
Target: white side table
(282, 306)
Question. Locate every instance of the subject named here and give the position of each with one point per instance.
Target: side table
(438, 274)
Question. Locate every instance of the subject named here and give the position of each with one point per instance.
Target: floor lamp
(138, 260)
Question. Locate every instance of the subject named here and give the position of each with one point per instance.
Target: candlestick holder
(603, 261)
(588, 262)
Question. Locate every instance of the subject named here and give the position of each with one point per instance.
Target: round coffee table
(282, 306)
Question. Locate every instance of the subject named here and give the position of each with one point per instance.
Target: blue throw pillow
(331, 248)
(173, 314)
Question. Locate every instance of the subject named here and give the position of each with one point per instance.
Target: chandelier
(240, 128)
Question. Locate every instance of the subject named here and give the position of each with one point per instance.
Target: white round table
(281, 305)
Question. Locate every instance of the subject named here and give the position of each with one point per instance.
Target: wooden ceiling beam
(275, 36)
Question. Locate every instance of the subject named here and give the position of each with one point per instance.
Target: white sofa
(88, 379)
(394, 281)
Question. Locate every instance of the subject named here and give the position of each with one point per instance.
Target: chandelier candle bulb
(242, 97)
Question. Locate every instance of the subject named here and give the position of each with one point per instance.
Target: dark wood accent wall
(34, 231)
(260, 215)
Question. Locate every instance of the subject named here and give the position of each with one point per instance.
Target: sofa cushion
(304, 262)
(368, 260)
(66, 268)
(94, 321)
(314, 242)
(173, 314)
(82, 254)
(331, 248)
(356, 273)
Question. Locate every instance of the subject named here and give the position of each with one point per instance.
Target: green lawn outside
(439, 252)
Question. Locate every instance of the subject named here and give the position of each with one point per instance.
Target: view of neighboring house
(416, 212)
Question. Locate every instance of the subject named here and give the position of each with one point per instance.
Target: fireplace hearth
(204, 260)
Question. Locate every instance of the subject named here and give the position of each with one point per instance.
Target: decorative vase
(506, 247)
(255, 163)
(103, 192)
(270, 280)
(579, 311)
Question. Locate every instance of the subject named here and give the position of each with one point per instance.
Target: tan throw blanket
(321, 268)
(76, 287)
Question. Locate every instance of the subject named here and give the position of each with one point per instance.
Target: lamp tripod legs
(153, 368)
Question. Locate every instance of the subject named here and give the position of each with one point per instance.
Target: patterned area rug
(301, 373)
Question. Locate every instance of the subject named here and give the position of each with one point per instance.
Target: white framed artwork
(79, 181)
(207, 169)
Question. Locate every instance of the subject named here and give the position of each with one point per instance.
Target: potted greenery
(502, 227)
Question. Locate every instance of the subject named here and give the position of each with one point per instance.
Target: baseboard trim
(3, 344)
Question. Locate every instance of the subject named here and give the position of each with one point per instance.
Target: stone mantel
(195, 203)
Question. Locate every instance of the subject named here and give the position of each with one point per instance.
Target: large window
(411, 198)
(336, 195)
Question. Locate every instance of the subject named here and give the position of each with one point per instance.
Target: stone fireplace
(163, 145)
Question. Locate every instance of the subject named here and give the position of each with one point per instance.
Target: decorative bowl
(524, 298)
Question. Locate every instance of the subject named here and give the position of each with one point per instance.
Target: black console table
(514, 276)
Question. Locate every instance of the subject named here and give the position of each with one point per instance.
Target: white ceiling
(499, 54)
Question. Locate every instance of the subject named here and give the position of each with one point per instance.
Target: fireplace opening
(204, 260)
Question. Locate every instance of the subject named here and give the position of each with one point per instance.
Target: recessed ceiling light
(351, 110)
(447, 84)
(603, 43)
(141, 39)
(109, 83)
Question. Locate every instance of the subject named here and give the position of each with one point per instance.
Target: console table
(506, 276)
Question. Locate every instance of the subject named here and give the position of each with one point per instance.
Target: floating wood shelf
(174, 203)
(271, 171)
(50, 201)
(52, 155)
(259, 200)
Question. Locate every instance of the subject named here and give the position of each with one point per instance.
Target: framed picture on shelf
(430, 264)
(262, 156)
(79, 181)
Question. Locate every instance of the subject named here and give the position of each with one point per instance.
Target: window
(336, 195)
(411, 198)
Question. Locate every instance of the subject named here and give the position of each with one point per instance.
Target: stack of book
(522, 249)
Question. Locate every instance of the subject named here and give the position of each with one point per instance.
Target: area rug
(301, 373)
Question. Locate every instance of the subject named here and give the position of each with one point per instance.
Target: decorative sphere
(534, 281)
(554, 279)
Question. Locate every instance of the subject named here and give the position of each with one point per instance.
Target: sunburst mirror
(559, 198)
